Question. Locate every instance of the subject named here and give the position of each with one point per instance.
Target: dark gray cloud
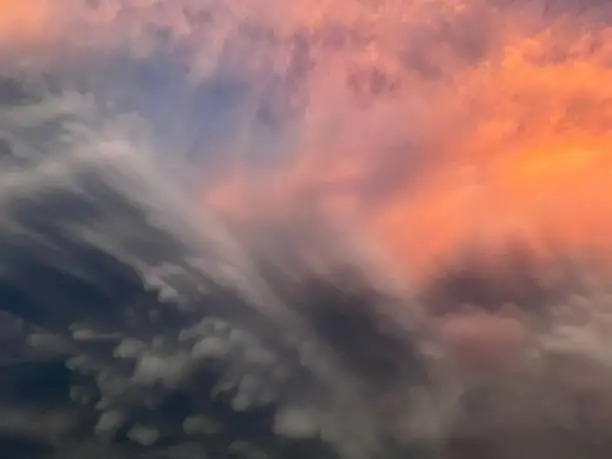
(158, 328)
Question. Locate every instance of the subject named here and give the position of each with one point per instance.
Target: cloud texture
(305, 228)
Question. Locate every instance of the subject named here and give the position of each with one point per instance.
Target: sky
(430, 125)
(424, 127)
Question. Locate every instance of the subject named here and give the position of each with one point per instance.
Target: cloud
(319, 133)
(139, 297)
(476, 121)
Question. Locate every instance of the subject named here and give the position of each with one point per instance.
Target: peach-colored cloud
(26, 22)
(506, 105)
(483, 342)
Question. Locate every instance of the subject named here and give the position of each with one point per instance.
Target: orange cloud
(429, 123)
(537, 161)
(26, 22)
(514, 133)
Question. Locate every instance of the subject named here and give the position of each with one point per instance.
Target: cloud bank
(211, 212)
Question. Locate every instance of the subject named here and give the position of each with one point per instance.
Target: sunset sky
(427, 123)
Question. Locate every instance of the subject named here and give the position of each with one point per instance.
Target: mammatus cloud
(161, 329)
(328, 138)
(165, 334)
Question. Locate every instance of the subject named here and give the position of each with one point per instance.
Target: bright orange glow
(538, 164)
(520, 142)
(429, 123)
